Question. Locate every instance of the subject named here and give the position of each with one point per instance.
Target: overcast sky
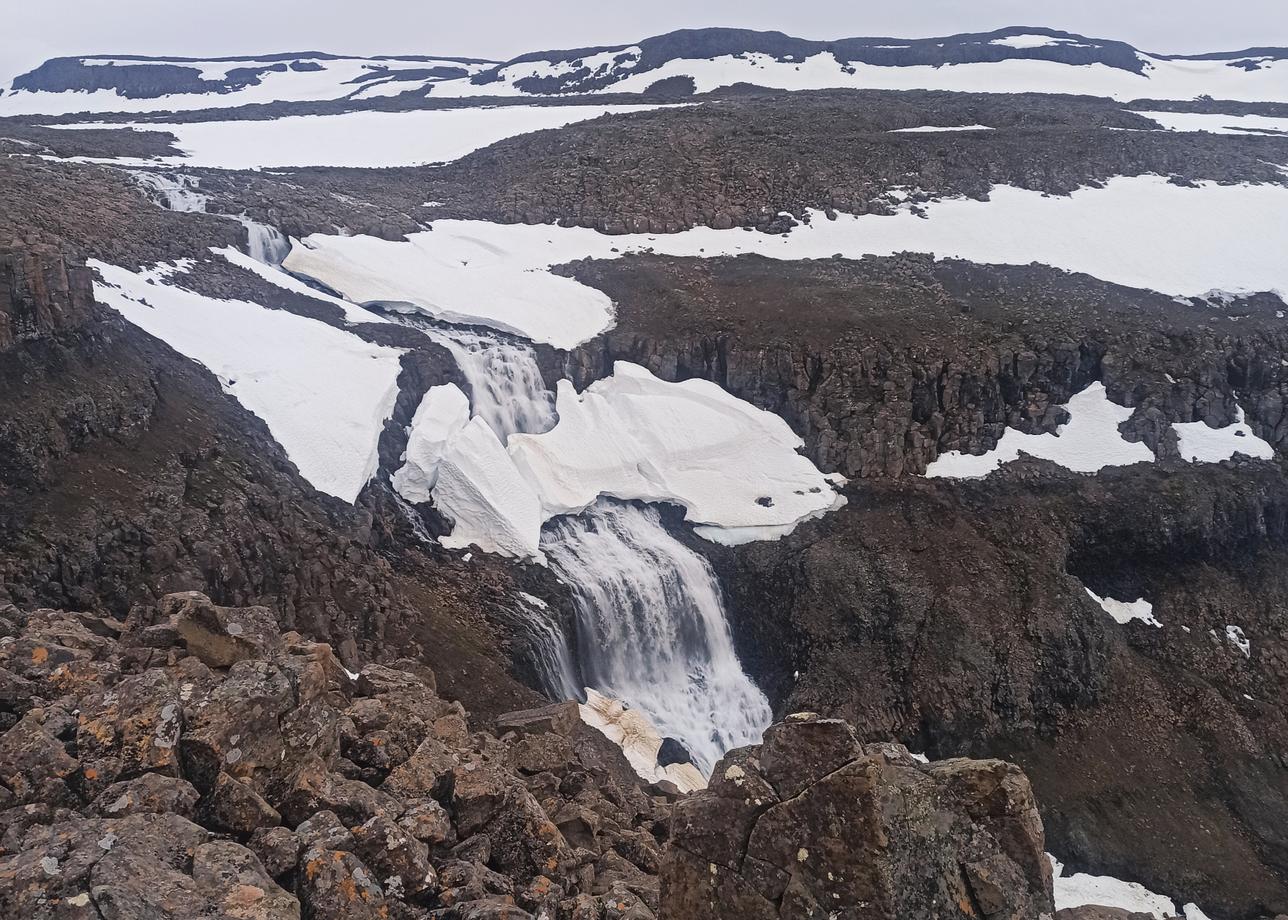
(34, 30)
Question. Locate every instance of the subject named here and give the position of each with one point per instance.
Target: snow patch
(1142, 232)
(468, 272)
(1087, 444)
(1199, 443)
(443, 411)
(633, 436)
(324, 394)
(1080, 889)
(492, 505)
(1125, 611)
(1219, 124)
(356, 139)
(931, 128)
(1234, 635)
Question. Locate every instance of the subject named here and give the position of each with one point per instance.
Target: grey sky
(38, 29)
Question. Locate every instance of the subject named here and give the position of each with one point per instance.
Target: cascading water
(651, 627)
(264, 243)
(179, 192)
(652, 630)
(508, 390)
(175, 192)
(506, 386)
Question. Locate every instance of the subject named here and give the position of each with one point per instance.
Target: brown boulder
(150, 793)
(812, 823)
(222, 636)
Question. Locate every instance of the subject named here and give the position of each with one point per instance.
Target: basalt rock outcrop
(904, 358)
(811, 823)
(955, 618)
(192, 760)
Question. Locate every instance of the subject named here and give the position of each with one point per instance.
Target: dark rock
(672, 751)
(150, 793)
(832, 825)
(222, 636)
(233, 807)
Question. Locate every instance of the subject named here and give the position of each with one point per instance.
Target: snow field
(324, 394)
(356, 139)
(1138, 231)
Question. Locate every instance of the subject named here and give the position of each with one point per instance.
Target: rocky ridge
(192, 759)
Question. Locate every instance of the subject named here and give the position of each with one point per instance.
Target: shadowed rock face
(812, 822)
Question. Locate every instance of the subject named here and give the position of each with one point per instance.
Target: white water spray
(652, 630)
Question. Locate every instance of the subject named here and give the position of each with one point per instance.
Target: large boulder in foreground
(812, 823)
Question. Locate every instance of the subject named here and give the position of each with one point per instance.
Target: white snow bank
(1088, 443)
(1081, 889)
(733, 467)
(324, 394)
(1125, 611)
(640, 741)
(443, 411)
(1235, 636)
(286, 281)
(469, 272)
(1200, 443)
(1140, 231)
(926, 128)
(1031, 41)
(360, 139)
(633, 436)
(492, 505)
(1219, 124)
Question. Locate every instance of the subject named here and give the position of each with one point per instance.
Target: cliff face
(43, 292)
(955, 618)
(881, 377)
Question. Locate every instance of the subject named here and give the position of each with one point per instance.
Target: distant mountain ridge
(684, 62)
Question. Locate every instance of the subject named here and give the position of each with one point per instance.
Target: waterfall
(181, 193)
(506, 386)
(176, 193)
(550, 653)
(651, 628)
(265, 244)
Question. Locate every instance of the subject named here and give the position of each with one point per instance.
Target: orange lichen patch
(243, 896)
(552, 864)
(964, 904)
(90, 773)
(349, 888)
(40, 654)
